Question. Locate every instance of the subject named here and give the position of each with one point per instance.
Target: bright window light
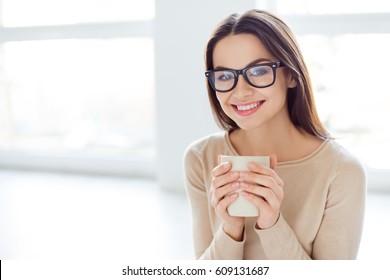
(349, 72)
(331, 6)
(351, 90)
(90, 95)
(55, 12)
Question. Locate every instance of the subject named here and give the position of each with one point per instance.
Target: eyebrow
(248, 65)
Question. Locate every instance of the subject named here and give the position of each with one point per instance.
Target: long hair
(282, 44)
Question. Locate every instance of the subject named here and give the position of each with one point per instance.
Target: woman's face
(248, 106)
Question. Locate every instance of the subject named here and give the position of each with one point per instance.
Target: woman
(311, 200)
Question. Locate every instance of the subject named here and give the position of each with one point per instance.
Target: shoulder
(348, 169)
(201, 156)
(345, 161)
(206, 144)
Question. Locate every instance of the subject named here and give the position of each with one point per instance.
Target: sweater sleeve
(280, 243)
(342, 223)
(206, 244)
(341, 227)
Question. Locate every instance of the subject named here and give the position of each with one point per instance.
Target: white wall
(183, 113)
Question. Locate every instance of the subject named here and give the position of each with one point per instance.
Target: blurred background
(100, 98)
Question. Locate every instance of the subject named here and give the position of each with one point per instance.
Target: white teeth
(248, 107)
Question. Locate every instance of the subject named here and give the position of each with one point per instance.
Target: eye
(259, 71)
(224, 76)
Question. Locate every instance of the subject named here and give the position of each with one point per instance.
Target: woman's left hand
(263, 187)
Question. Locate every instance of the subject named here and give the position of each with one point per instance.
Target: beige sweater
(321, 214)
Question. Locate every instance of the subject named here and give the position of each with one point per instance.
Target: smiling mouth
(248, 106)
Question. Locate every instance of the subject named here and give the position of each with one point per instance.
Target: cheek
(280, 90)
(222, 99)
(279, 100)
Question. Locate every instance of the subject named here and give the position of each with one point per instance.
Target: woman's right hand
(223, 184)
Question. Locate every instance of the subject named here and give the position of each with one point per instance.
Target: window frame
(133, 165)
(338, 24)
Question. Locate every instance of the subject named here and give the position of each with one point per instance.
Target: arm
(340, 230)
(280, 242)
(206, 244)
(264, 188)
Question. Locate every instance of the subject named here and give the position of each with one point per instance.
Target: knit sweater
(321, 214)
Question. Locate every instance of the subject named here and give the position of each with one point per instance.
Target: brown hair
(281, 43)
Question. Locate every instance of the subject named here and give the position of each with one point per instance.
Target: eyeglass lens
(258, 76)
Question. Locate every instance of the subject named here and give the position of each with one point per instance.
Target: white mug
(241, 207)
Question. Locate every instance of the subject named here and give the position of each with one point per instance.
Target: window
(56, 12)
(345, 45)
(78, 95)
(346, 74)
(331, 6)
(77, 77)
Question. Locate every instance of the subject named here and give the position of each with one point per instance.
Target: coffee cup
(242, 207)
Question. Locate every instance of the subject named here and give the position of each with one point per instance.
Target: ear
(292, 82)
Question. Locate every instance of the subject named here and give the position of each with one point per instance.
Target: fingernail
(226, 165)
(243, 175)
(251, 165)
(233, 174)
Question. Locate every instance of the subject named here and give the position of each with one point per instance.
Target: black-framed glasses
(260, 76)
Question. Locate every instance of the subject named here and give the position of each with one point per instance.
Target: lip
(244, 113)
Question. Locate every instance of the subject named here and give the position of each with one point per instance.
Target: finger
(273, 161)
(224, 203)
(224, 179)
(221, 192)
(260, 202)
(264, 208)
(266, 193)
(221, 169)
(263, 170)
(268, 215)
(270, 181)
(257, 181)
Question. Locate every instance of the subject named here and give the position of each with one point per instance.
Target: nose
(242, 88)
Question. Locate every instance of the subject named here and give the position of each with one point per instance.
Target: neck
(280, 138)
(269, 139)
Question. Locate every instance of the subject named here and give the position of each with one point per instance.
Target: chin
(249, 126)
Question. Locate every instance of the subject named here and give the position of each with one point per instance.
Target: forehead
(237, 51)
